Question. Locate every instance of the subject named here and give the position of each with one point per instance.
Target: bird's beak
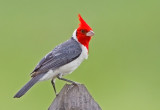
(90, 33)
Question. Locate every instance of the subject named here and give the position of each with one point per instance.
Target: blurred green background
(123, 68)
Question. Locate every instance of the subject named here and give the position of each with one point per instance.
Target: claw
(57, 95)
(75, 83)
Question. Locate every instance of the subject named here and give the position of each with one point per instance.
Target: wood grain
(74, 97)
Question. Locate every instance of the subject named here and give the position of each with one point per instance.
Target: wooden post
(74, 97)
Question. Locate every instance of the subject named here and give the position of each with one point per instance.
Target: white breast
(70, 67)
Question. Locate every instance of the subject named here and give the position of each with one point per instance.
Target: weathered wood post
(74, 97)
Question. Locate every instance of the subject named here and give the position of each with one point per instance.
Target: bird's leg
(60, 78)
(54, 87)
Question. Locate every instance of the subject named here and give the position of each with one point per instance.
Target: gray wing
(61, 55)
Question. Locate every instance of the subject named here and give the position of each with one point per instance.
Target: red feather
(82, 38)
(83, 24)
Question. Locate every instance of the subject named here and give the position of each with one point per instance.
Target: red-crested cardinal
(63, 59)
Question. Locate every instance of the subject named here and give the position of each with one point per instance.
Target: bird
(62, 60)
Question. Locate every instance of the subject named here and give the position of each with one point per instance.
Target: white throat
(74, 35)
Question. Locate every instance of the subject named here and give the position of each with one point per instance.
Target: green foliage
(122, 71)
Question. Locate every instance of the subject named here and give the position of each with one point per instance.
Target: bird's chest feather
(70, 67)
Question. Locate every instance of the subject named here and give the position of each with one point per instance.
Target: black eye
(83, 31)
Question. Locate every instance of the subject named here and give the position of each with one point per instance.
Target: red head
(84, 32)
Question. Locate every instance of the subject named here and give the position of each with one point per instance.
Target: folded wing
(61, 55)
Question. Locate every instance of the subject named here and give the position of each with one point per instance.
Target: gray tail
(27, 86)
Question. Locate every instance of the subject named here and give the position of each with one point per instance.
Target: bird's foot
(75, 83)
(57, 94)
